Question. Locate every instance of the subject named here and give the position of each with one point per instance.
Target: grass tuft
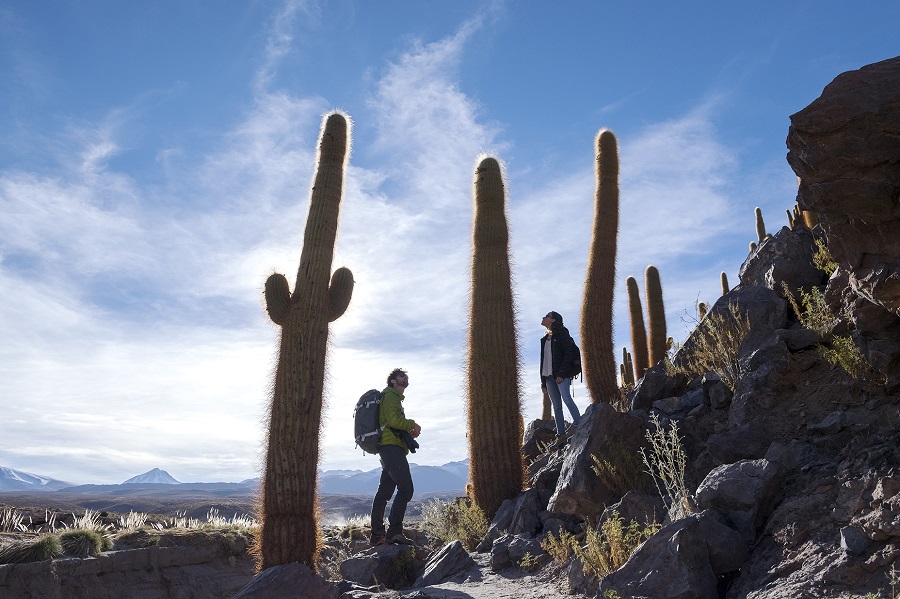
(459, 519)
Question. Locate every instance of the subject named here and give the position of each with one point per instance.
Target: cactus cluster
(288, 507)
(492, 394)
(598, 356)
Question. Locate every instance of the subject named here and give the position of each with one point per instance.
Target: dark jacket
(562, 348)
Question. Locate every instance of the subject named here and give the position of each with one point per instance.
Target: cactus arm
(278, 298)
(339, 293)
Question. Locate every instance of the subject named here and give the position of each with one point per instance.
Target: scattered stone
(744, 493)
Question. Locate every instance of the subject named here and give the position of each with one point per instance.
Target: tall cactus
(288, 504)
(656, 315)
(638, 330)
(724, 280)
(493, 395)
(598, 355)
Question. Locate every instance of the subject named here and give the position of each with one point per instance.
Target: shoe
(399, 539)
(376, 540)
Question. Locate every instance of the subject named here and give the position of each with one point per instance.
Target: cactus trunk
(290, 532)
(656, 315)
(598, 355)
(638, 330)
(493, 396)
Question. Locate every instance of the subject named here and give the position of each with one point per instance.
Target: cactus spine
(598, 355)
(288, 504)
(656, 315)
(724, 280)
(493, 396)
(638, 330)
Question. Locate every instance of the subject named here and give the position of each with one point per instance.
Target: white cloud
(138, 333)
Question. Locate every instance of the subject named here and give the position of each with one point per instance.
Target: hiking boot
(376, 540)
(399, 539)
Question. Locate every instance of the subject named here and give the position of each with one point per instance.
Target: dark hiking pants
(394, 475)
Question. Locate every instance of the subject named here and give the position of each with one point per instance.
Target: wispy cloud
(137, 332)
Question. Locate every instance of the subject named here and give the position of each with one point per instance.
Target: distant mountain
(16, 480)
(155, 476)
(450, 477)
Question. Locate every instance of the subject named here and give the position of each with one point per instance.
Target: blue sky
(156, 159)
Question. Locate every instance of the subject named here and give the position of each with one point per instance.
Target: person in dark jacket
(557, 369)
(395, 474)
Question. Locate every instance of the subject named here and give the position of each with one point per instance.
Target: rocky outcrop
(845, 147)
(601, 432)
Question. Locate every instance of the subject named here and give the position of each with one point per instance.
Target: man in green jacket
(394, 465)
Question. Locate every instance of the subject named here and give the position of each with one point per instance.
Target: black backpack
(367, 427)
(576, 361)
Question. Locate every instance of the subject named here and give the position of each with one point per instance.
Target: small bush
(455, 520)
(666, 462)
(32, 550)
(560, 548)
(608, 548)
(822, 258)
(529, 563)
(815, 314)
(719, 337)
(82, 543)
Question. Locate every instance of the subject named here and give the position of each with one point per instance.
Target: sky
(156, 160)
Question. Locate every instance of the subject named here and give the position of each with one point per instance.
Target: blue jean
(560, 393)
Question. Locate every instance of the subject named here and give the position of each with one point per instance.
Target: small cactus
(701, 310)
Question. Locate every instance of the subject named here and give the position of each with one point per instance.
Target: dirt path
(480, 582)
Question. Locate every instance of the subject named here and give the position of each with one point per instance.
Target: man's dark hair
(393, 375)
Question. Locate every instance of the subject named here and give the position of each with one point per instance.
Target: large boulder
(682, 561)
(394, 566)
(744, 493)
(845, 149)
(290, 581)
(452, 559)
(603, 432)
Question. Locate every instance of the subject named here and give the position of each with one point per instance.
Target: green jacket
(392, 416)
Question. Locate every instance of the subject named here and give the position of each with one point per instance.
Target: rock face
(218, 566)
(845, 147)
